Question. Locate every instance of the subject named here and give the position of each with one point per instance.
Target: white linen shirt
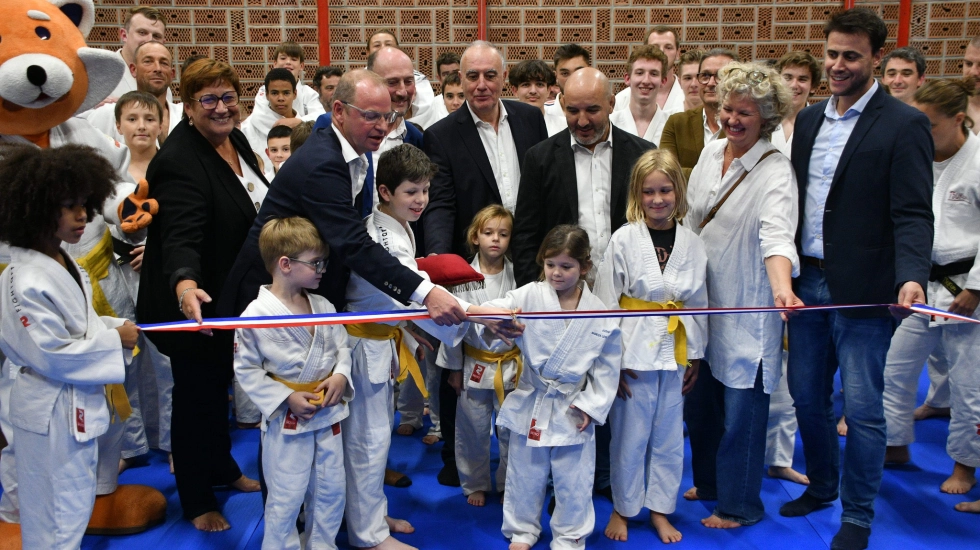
(593, 177)
(757, 221)
(502, 152)
(824, 157)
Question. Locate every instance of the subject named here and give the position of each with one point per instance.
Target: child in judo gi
(653, 262)
(568, 383)
(483, 377)
(299, 377)
(64, 353)
(383, 352)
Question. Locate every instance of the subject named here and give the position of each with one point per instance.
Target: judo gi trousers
(474, 420)
(572, 468)
(57, 491)
(302, 467)
(647, 448)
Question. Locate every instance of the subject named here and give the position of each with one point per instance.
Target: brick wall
(246, 32)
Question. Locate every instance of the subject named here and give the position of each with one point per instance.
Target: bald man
(578, 176)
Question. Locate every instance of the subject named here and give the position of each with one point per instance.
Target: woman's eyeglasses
(210, 101)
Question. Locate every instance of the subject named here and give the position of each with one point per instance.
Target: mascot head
(47, 74)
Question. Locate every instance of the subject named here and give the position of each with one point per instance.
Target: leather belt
(815, 262)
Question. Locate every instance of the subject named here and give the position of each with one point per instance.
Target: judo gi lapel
(273, 306)
(471, 141)
(566, 337)
(651, 263)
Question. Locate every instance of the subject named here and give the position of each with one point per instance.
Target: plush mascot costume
(48, 75)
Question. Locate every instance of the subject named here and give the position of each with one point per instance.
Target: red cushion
(449, 270)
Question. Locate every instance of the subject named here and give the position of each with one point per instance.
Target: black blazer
(204, 217)
(878, 222)
(548, 194)
(465, 182)
(315, 184)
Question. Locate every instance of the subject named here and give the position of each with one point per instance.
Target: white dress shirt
(502, 153)
(625, 122)
(593, 176)
(709, 136)
(824, 157)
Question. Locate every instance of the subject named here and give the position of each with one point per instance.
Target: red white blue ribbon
(231, 323)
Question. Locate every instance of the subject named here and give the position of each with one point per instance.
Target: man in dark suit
(479, 149)
(863, 163)
(686, 133)
(591, 153)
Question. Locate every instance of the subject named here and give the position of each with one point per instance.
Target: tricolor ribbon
(279, 321)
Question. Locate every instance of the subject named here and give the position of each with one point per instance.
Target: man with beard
(686, 133)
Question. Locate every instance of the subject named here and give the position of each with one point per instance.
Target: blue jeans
(818, 343)
(704, 414)
(742, 454)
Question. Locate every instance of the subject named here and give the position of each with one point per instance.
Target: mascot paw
(130, 509)
(9, 536)
(137, 210)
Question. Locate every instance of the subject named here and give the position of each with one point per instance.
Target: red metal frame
(904, 22)
(481, 19)
(323, 30)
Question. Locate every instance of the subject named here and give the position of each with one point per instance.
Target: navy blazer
(548, 194)
(878, 221)
(315, 184)
(465, 184)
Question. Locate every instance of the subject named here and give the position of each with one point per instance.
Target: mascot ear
(80, 12)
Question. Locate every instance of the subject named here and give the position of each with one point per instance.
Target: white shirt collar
(399, 131)
(477, 121)
(345, 147)
(831, 110)
(752, 156)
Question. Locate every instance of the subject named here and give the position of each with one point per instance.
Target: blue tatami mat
(911, 513)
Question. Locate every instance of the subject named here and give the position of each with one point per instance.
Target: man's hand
(624, 392)
(443, 308)
(333, 389)
(456, 381)
(965, 302)
(690, 376)
(910, 293)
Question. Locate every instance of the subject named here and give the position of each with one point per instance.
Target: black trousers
(447, 419)
(199, 432)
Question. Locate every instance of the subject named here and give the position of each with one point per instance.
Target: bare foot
(476, 498)
(925, 411)
(519, 546)
(211, 522)
(971, 507)
(962, 480)
(405, 429)
(125, 463)
(897, 454)
(842, 427)
(715, 522)
(425, 411)
(789, 474)
(431, 439)
(391, 543)
(246, 485)
(170, 458)
(399, 526)
(691, 494)
(666, 531)
(616, 529)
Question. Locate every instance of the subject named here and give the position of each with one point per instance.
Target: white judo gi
(479, 400)
(256, 127)
(566, 363)
(112, 284)
(104, 119)
(956, 207)
(647, 447)
(375, 366)
(64, 355)
(301, 459)
(623, 119)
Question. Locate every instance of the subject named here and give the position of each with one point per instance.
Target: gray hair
(484, 44)
(346, 91)
(761, 84)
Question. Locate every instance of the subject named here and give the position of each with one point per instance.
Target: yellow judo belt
(499, 359)
(674, 324)
(380, 331)
(309, 387)
(96, 263)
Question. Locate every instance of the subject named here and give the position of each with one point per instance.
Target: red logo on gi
(80, 420)
(24, 321)
(290, 422)
(534, 433)
(478, 371)
(336, 428)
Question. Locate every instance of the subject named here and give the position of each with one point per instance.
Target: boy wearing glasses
(299, 377)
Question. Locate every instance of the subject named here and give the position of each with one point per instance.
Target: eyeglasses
(374, 116)
(755, 77)
(704, 78)
(210, 101)
(319, 266)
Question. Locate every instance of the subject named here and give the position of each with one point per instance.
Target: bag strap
(714, 210)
